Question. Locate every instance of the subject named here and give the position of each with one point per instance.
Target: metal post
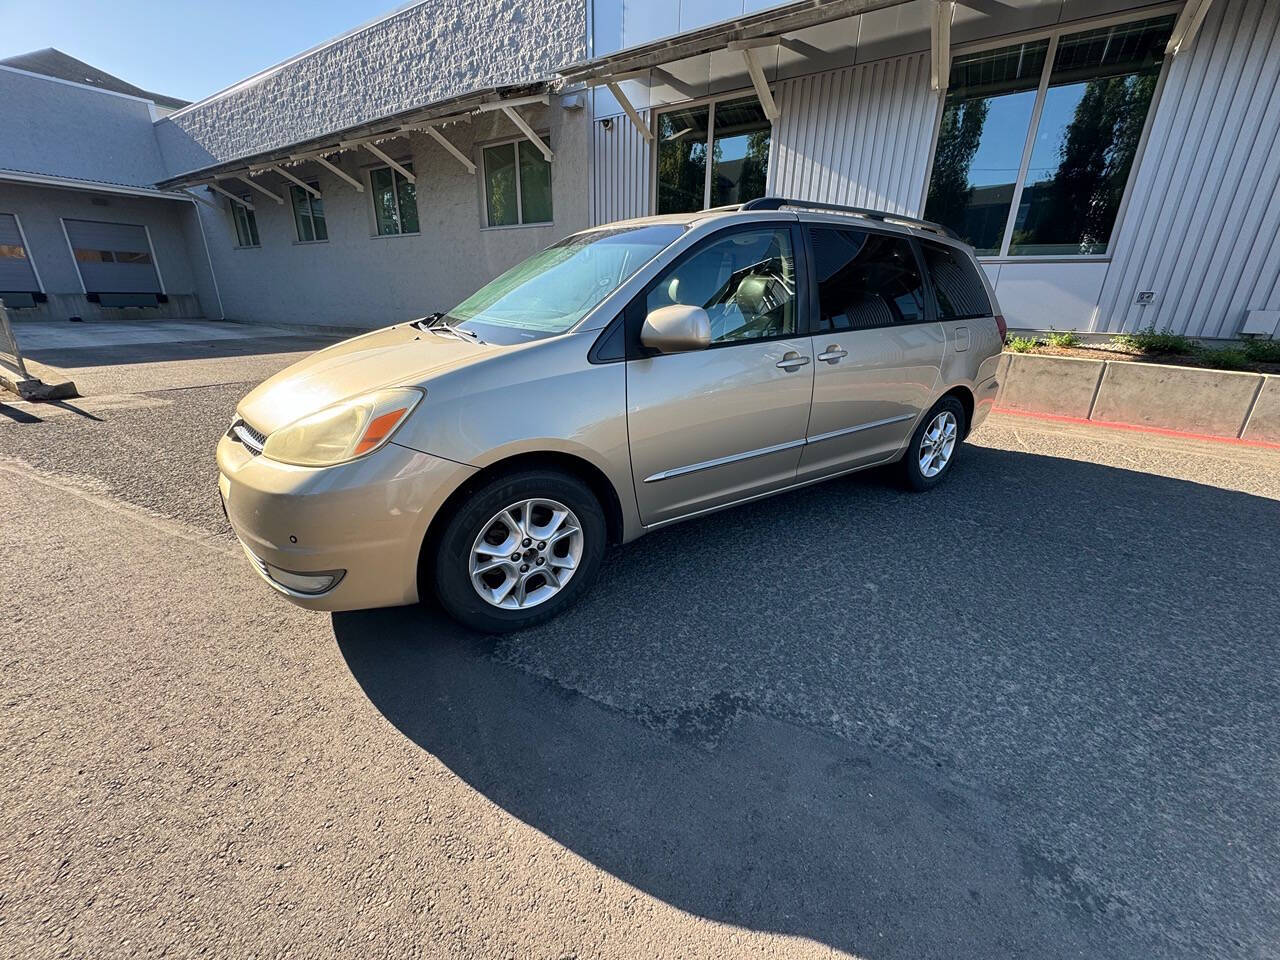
(9, 345)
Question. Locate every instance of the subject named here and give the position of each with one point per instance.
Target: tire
(915, 475)
(476, 530)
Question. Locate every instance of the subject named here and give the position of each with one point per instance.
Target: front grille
(252, 439)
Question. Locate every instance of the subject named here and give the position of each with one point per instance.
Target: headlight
(344, 431)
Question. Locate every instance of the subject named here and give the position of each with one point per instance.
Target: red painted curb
(1160, 431)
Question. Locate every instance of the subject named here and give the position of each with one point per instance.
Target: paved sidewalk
(113, 357)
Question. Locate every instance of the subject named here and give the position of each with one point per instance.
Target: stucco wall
(362, 280)
(68, 131)
(432, 51)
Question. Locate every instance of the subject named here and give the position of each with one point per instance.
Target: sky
(183, 48)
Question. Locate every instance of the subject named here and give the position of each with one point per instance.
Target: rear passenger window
(865, 280)
(956, 284)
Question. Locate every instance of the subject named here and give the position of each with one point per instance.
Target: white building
(1114, 161)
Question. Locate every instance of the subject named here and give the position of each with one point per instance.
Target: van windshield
(554, 289)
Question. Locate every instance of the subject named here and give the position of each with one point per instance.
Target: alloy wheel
(937, 443)
(526, 554)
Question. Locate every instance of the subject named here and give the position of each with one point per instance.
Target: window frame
(484, 183)
(710, 103)
(1053, 35)
(407, 163)
(293, 212)
(235, 226)
(636, 310)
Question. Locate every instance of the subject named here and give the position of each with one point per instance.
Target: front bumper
(367, 518)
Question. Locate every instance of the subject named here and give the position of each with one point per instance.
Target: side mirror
(676, 328)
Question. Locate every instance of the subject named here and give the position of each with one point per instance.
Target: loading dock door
(113, 257)
(16, 273)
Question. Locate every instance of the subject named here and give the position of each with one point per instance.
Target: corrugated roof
(51, 62)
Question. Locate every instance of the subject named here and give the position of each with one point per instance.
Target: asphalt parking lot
(1032, 713)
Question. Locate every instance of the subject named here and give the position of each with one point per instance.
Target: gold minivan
(626, 378)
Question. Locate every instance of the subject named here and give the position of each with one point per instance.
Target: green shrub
(1228, 358)
(1262, 351)
(1021, 344)
(1063, 338)
(1149, 340)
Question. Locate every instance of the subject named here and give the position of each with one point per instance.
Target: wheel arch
(966, 398)
(569, 463)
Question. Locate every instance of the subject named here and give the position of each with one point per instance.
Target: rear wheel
(934, 445)
(520, 550)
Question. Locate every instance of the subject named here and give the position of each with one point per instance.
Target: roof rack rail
(777, 203)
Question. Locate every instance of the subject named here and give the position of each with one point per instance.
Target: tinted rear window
(865, 280)
(960, 292)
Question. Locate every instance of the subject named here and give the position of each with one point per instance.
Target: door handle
(833, 354)
(791, 361)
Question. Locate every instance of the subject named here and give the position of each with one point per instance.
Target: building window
(1038, 139)
(395, 201)
(517, 184)
(733, 135)
(308, 215)
(246, 224)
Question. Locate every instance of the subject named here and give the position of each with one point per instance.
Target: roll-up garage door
(113, 257)
(16, 272)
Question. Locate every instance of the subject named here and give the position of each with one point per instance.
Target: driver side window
(746, 281)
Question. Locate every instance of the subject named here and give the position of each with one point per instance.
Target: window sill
(520, 226)
(247, 246)
(392, 236)
(308, 243)
(1082, 258)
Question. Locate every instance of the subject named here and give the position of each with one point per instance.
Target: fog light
(304, 582)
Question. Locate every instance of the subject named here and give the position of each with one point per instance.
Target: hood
(394, 356)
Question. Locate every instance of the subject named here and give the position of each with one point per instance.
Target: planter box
(1065, 386)
(1217, 403)
(1214, 402)
(1264, 419)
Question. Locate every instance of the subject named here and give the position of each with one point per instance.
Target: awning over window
(229, 177)
(766, 25)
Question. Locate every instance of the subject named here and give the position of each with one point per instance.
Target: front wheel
(934, 444)
(519, 551)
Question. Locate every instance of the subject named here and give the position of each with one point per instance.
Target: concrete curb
(1216, 403)
(1066, 386)
(1263, 423)
(32, 388)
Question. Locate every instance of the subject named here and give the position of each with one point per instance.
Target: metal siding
(860, 135)
(1202, 226)
(619, 171)
(15, 274)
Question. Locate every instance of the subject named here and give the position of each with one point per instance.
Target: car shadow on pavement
(972, 723)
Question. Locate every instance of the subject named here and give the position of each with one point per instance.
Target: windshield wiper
(435, 322)
(423, 323)
(457, 331)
